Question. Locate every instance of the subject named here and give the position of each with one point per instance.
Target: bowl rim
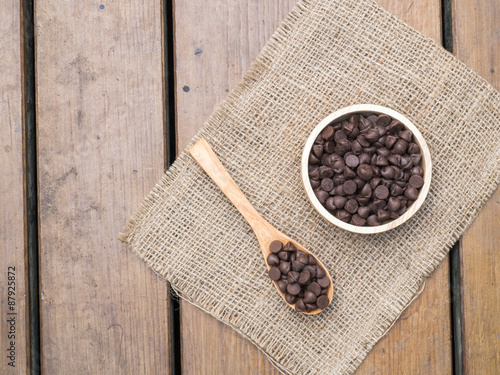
(340, 115)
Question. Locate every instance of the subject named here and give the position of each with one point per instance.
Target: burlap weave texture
(326, 55)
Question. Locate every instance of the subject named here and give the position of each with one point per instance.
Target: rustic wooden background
(116, 88)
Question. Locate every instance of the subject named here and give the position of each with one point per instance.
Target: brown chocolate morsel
(343, 215)
(418, 171)
(311, 269)
(404, 201)
(354, 134)
(362, 140)
(377, 144)
(324, 292)
(314, 173)
(337, 126)
(363, 201)
(366, 192)
(372, 220)
(348, 128)
(339, 134)
(319, 140)
(317, 151)
(407, 135)
(393, 204)
(383, 215)
(396, 190)
(324, 282)
(328, 133)
(390, 140)
(284, 255)
(314, 288)
(364, 158)
(274, 273)
(411, 193)
(378, 204)
(331, 159)
(351, 206)
(406, 162)
(338, 166)
(364, 212)
(413, 148)
(372, 135)
(293, 288)
(395, 126)
(343, 146)
(388, 172)
(325, 172)
(356, 148)
(312, 260)
(300, 305)
(329, 146)
(394, 160)
(373, 157)
(364, 124)
(293, 276)
(309, 297)
(339, 202)
(400, 147)
(293, 255)
(370, 151)
(320, 272)
(352, 161)
(359, 183)
(330, 205)
(401, 211)
(285, 267)
(364, 172)
(381, 192)
(311, 307)
(327, 184)
(382, 130)
(354, 119)
(282, 285)
(322, 302)
(315, 183)
(374, 182)
(416, 181)
(358, 220)
(349, 173)
(394, 215)
(305, 277)
(401, 184)
(324, 159)
(349, 187)
(376, 171)
(303, 258)
(289, 247)
(276, 246)
(297, 266)
(381, 161)
(416, 158)
(322, 196)
(338, 190)
(339, 179)
(273, 260)
(372, 119)
(387, 183)
(313, 159)
(290, 299)
(383, 120)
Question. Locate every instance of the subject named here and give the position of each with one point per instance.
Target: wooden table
(117, 87)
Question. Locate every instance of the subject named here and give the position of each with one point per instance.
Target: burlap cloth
(324, 56)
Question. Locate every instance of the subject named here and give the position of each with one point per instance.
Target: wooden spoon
(264, 231)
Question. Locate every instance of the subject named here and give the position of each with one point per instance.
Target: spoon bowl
(264, 231)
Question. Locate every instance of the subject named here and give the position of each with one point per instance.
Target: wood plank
(210, 59)
(420, 341)
(216, 41)
(12, 197)
(100, 151)
(476, 31)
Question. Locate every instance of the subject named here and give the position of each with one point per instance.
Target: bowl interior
(364, 109)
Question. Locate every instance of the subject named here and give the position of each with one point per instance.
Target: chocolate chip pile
(299, 276)
(366, 170)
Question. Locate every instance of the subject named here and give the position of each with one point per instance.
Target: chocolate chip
(381, 192)
(411, 193)
(315, 288)
(322, 302)
(358, 220)
(393, 204)
(322, 196)
(413, 148)
(315, 183)
(343, 215)
(416, 181)
(320, 272)
(329, 146)
(400, 147)
(325, 172)
(339, 135)
(299, 305)
(407, 135)
(311, 269)
(285, 267)
(349, 173)
(274, 273)
(312, 260)
(418, 171)
(293, 288)
(276, 246)
(396, 126)
(364, 212)
(324, 282)
(318, 151)
(305, 277)
(327, 133)
(273, 260)
(297, 266)
(383, 120)
(313, 159)
(284, 255)
(282, 284)
(383, 215)
(327, 184)
(293, 276)
(291, 299)
(309, 297)
(364, 172)
(351, 206)
(350, 186)
(372, 220)
(352, 161)
(289, 247)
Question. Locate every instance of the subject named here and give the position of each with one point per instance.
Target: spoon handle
(207, 159)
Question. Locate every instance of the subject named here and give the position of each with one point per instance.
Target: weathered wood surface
(210, 59)
(476, 34)
(100, 151)
(12, 212)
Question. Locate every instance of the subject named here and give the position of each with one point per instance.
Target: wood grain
(210, 59)
(476, 31)
(100, 151)
(12, 197)
(215, 43)
(420, 341)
